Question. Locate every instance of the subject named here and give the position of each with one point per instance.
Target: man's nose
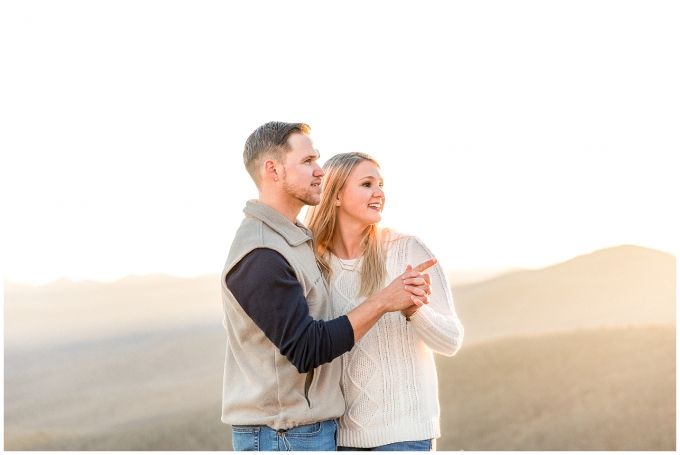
(318, 171)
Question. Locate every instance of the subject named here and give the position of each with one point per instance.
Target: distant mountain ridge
(64, 283)
(65, 311)
(620, 285)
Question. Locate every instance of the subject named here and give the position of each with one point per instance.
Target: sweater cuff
(418, 315)
(342, 335)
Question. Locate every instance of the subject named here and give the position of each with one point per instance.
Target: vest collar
(295, 234)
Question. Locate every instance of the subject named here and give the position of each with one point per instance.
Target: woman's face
(362, 199)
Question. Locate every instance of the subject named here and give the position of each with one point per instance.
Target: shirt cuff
(341, 333)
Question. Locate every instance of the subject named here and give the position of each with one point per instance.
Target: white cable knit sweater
(389, 379)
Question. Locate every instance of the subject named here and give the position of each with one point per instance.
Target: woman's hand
(418, 283)
(408, 290)
(420, 280)
(412, 288)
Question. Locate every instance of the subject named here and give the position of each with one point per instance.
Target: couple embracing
(331, 324)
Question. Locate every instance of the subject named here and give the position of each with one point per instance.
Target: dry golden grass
(158, 392)
(609, 389)
(194, 430)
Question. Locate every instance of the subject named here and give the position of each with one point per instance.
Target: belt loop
(286, 442)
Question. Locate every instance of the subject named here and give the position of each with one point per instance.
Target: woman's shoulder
(398, 243)
(392, 237)
(402, 249)
(401, 244)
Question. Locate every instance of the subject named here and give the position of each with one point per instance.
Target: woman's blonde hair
(321, 220)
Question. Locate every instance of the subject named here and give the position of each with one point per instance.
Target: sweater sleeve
(435, 323)
(265, 286)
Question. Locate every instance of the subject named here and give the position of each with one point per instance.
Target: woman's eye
(367, 184)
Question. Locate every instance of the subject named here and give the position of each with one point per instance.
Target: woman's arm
(436, 323)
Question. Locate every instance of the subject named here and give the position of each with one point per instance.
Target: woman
(389, 379)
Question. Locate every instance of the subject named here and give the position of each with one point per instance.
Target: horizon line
(487, 269)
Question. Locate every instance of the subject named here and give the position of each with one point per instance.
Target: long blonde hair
(321, 220)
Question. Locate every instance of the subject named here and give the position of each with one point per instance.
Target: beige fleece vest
(261, 386)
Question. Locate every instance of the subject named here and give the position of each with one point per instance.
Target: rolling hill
(576, 356)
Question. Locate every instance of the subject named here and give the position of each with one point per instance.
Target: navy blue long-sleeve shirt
(265, 286)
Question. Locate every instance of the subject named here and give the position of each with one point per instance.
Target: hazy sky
(510, 133)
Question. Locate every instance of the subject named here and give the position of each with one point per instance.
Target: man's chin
(311, 200)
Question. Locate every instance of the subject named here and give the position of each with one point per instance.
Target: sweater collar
(295, 234)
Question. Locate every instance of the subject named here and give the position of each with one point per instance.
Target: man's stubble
(307, 196)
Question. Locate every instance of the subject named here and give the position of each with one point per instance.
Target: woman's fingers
(420, 291)
(419, 281)
(412, 272)
(421, 284)
(425, 265)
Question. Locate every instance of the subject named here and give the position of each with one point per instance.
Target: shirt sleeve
(435, 323)
(265, 286)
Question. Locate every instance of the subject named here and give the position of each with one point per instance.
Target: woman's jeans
(315, 436)
(412, 446)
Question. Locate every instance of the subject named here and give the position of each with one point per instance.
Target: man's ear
(271, 169)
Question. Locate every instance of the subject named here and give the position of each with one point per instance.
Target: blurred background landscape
(530, 145)
(580, 355)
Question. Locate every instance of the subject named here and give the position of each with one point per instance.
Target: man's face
(301, 172)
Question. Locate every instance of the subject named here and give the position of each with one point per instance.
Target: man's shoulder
(255, 232)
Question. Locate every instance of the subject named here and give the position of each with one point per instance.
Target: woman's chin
(376, 220)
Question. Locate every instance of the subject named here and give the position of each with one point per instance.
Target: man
(281, 390)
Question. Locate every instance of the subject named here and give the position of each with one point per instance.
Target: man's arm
(265, 286)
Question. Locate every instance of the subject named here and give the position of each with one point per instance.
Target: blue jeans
(315, 436)
(413, 446)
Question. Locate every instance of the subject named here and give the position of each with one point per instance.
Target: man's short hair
(269, 141)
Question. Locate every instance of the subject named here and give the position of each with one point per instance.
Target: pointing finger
(425, 265)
